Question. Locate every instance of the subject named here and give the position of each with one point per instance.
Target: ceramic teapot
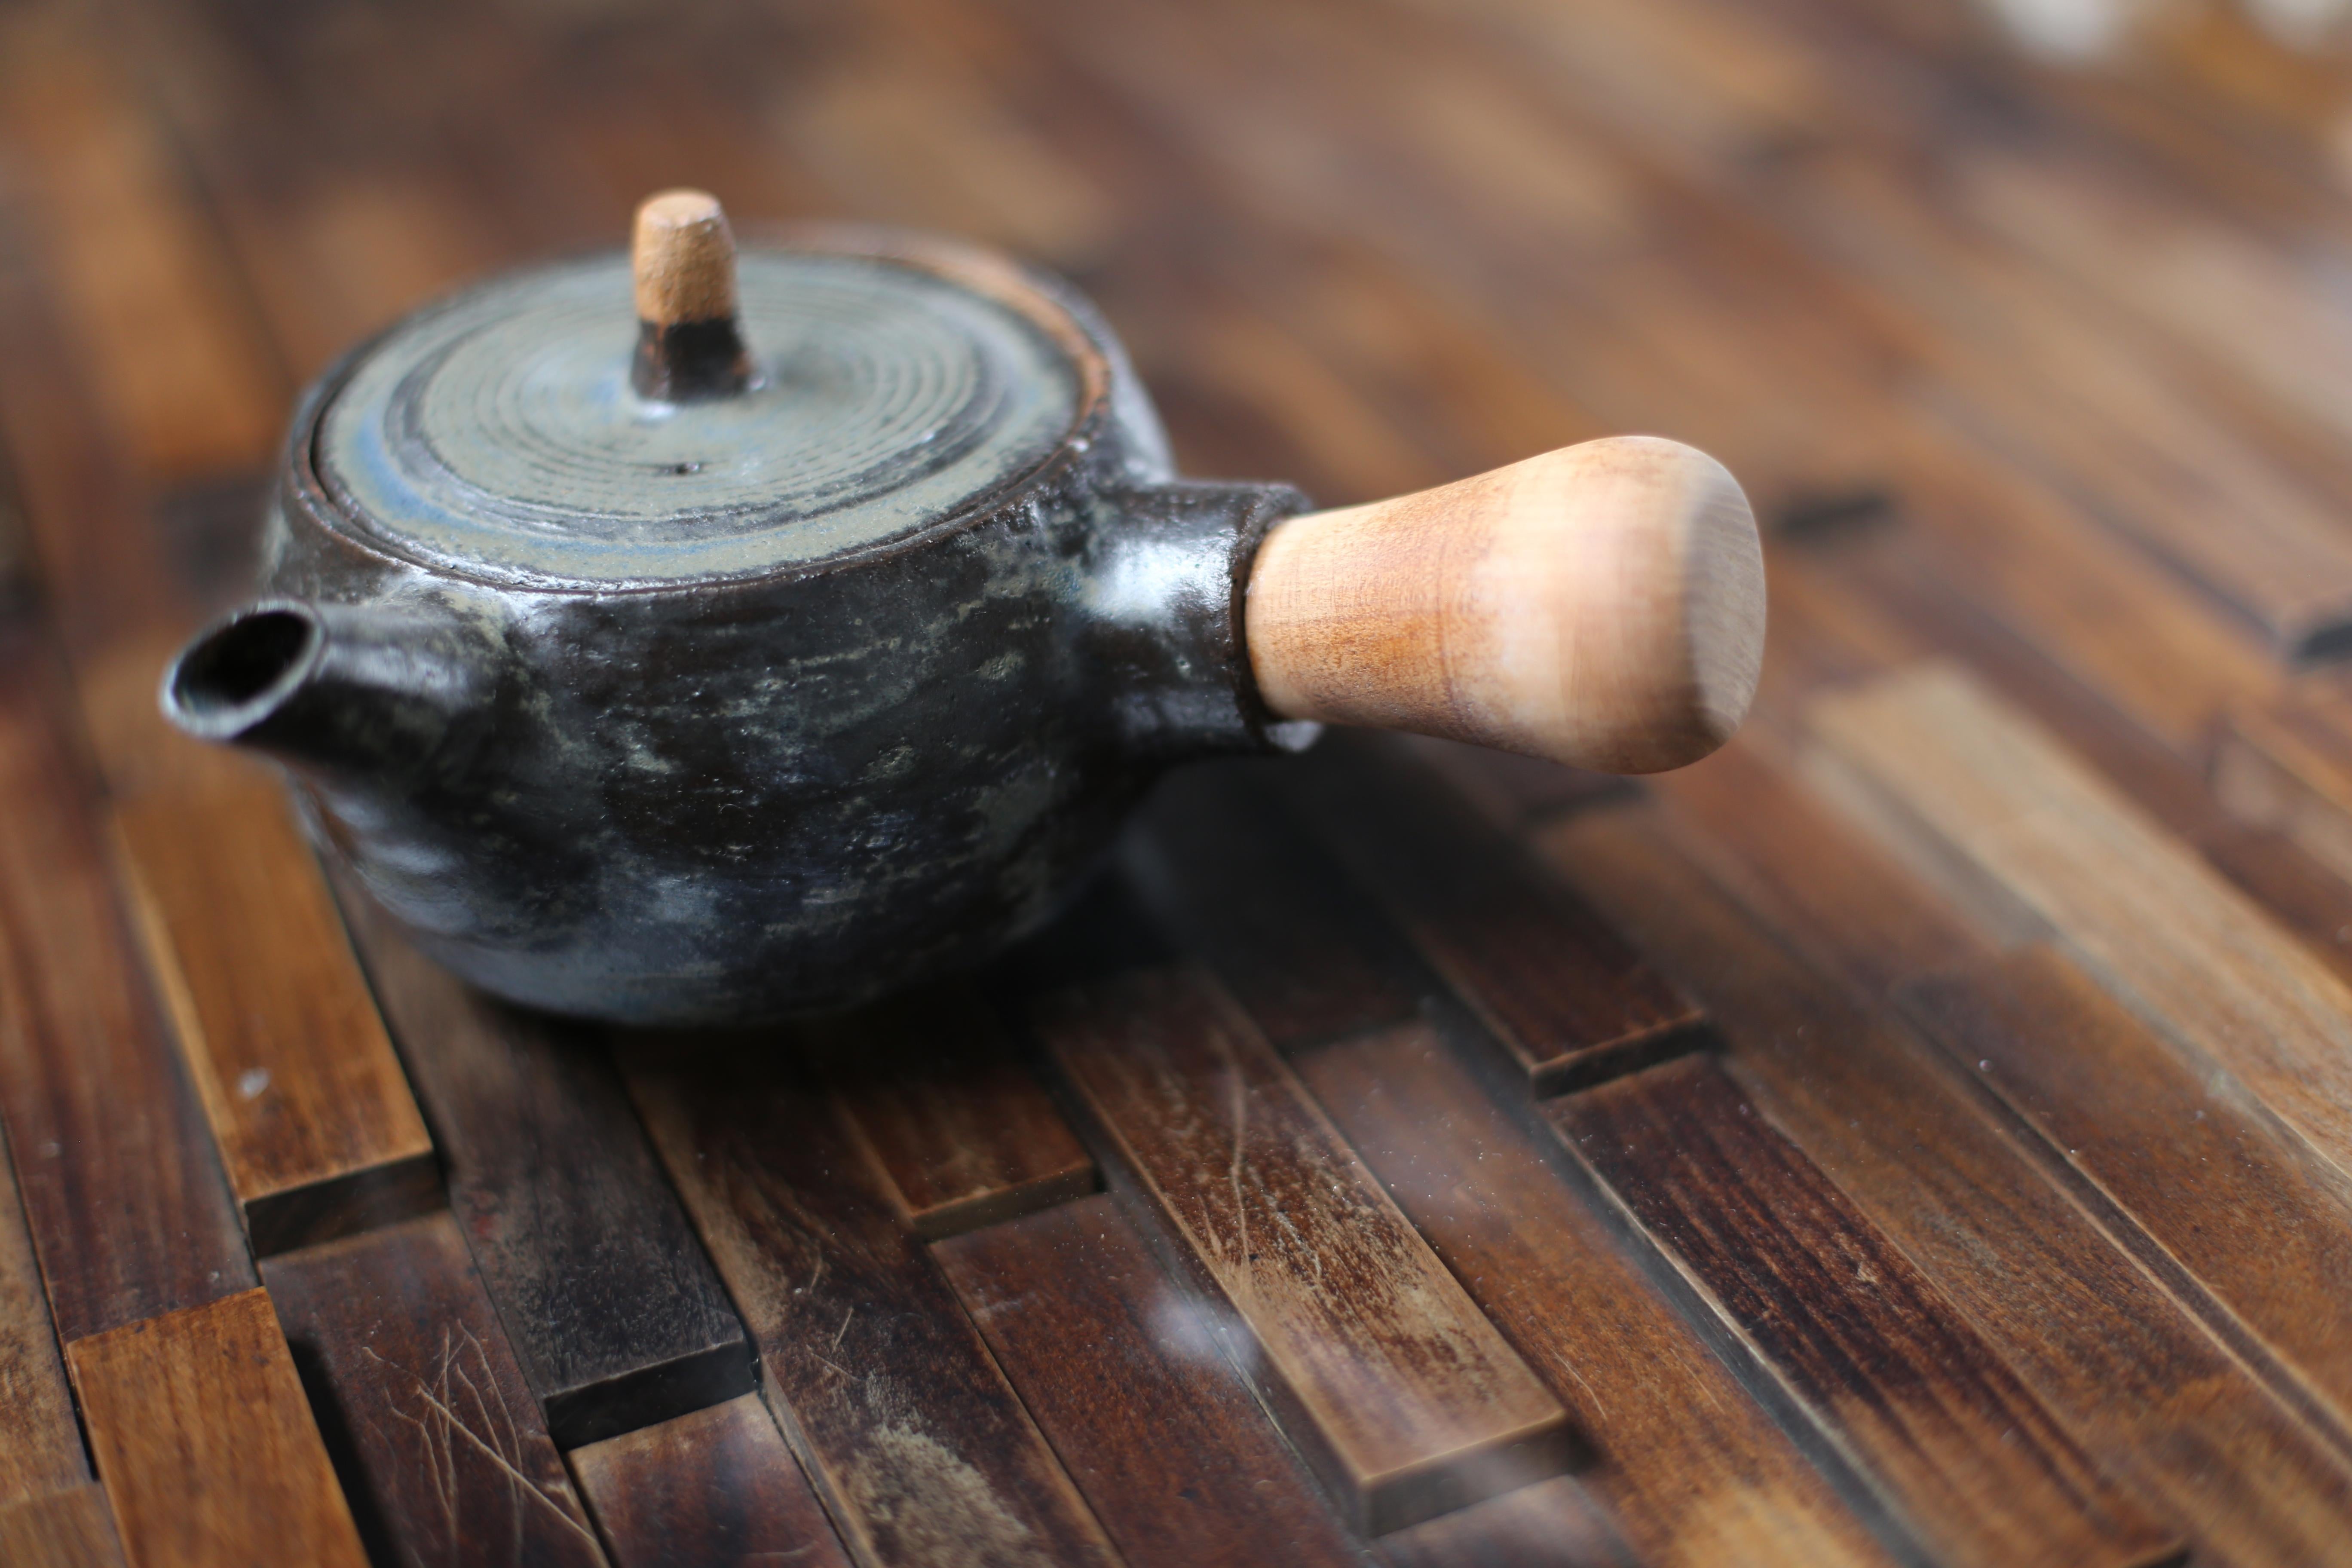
(808, 628)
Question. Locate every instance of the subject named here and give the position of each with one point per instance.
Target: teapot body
(729, 799)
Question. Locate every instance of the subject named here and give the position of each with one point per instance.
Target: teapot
(696, 636)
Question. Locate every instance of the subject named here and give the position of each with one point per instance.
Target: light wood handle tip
(1601, 606)
(683, 259)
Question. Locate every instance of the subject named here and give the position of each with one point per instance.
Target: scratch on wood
(444, 1424)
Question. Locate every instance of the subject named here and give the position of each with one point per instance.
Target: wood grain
(122, 1190)
(1859, 1333)
(1562, 993)
(403, 1346)
(1601, 606)
(922, 1451)
(307, 1099)
(2246, 1210)
(69, 1529)
(40, 1443)
(2111, 1350)
(613, 1311)
(208, 1450)
(1405, 1400)
(1690, 1492)
(2042, 846)
(934, 1088)
(715, 1488)
(1162, 1435)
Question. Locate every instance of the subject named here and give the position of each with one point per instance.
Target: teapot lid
(536, 430)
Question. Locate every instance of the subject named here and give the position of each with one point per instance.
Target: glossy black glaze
(721, 801)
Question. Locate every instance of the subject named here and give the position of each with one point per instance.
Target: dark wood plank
(933, 1086)
(1562, 993)
(1402, 1397)
(613, 1311)
(715, 1488)
(447, 1446)
(1860, 1334)
(316, 1126)
(40, 1443)
(1157, 1429)
(2246, 1210)
(208, 1450)
(1230, 877)
(1690, 1466)
(2134, 1375)
(922, 1451)
(122, 1190)
(70, 1529)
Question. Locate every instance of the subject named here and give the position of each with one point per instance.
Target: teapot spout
(341, 688)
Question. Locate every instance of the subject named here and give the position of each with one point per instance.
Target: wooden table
(1921, 1134)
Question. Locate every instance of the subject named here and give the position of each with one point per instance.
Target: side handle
(1601, 606)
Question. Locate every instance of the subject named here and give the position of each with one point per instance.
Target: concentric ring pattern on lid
(497, 434)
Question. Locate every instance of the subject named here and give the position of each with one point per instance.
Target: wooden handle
(682, 258)
(1601, 606)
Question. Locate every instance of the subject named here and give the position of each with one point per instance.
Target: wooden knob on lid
(1601, 606)
(683, 260)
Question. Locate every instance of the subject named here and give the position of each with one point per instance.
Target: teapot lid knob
(682, 258)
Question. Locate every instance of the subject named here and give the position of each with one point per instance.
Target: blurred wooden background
(1921, 1134)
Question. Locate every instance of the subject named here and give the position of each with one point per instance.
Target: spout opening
(240, 671)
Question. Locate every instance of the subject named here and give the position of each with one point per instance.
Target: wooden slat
(1233, 880)
(1782, 848)
(208, 1450)
(2295, 890)
(1160, 1433)
(2245, 1210)
(70, 1529)
(2289, 767)
(1405, 1400)
(933, 1086)
(40, 1444)
(2162, 774)
(1859, 1333)
(455, 1462)
(316, 1126)
(2133, 630)
(1568, 999)
(922, 1451)
(1689, 1464)
(614, 1312)
(715, 1488)
(2042, 846)
(121, 1191)
(2103, 1345)
(1551, 1524)
(155, 306)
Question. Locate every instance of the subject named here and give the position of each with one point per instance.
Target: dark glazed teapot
(809, 630)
